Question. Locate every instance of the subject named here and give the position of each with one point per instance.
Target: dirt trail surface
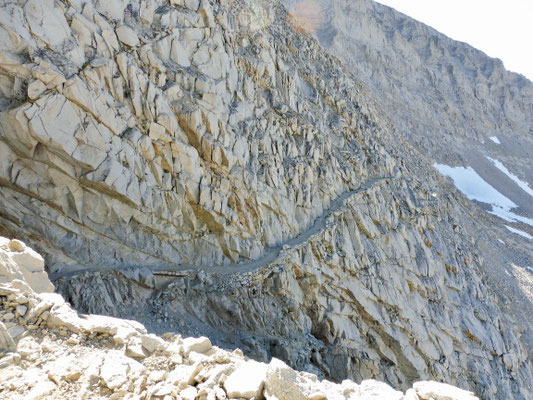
(269, 256)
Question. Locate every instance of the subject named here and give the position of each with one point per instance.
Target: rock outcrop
(48, 351)
(204, 167)
(22, 263)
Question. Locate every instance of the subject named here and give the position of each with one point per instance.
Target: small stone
(8, 316)
(21, 310)
(73, 341)
(152, 343)
(199, 345)
(21, 299)
(10, 359)
(220, 393)
(16, 245)
(189, 393)
(198, 357)
(44, 316)
(157, 376)
(16, 331)
(163, 390)
(134, 348)
(176, 358)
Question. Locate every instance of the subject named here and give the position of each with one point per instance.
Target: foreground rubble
(48, 351)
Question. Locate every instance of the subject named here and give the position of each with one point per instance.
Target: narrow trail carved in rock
(269, 256)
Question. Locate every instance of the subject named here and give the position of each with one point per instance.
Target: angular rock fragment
(427, 390)
(247, 381)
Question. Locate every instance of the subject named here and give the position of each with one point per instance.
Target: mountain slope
(450, 101)
(447, 98)
(461, 110)
(48, 351)
(151, 148)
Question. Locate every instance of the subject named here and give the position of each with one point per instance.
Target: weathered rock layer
(206, 162)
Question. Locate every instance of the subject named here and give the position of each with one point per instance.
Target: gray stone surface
(205, 167)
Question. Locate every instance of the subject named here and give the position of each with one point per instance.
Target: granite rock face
(452, 102)
(197, 144)
(208, 168)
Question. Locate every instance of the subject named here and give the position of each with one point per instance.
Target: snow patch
(475, 188)
(523, 185)
(495, 139)
(519, 232)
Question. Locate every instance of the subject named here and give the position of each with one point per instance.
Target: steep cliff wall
(205, 167)
(192, 145)
(459, 108)
(452, 102)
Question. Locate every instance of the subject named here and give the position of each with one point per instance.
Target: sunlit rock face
(208, 167)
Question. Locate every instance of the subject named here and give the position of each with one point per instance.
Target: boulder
(283, 382)
(17, 261)
(199, 345)
(247, 381)
(430, 390)
(375, 390)
(118, 368)
(153, 343)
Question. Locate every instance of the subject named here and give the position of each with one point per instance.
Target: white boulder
(199, 345)
(247, 381)
(17, 261)
(427, 390)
